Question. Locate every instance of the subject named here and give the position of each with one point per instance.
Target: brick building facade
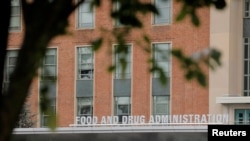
(99, 91)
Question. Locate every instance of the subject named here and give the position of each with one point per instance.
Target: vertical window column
(246, 73)
(85, 15)
(15, 18)
(246, 49)
(84, 84)
(122, 83)
(10, 64)
(116, 7)
(48, 81)
(164, 8)
(160, 92)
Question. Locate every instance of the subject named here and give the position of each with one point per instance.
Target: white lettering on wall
(141, 119)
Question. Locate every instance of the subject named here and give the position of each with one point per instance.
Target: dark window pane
(245, 67)
(246, 51)
(245, 82)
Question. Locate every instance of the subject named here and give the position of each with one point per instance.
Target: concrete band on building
(109, 133)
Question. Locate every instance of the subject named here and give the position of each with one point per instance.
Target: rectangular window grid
(49, 68)
(122, 107)
(85, 15)
(84, 106)
(121, 73)
(45, 117)
(161, 58)
(49, 74)
(10, 64)
(247, 9)
(164, 8)
(15, 18)
(161, 105)
(85, 63)
(246, 73)
(116, 8)
(242, 116)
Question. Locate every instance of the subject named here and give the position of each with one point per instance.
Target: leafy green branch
(192, 65)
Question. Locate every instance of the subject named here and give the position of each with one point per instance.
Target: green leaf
(145, 8)
(163, 78)
(183, 13)
(52, 120)
(195, 19)
(96, 3)
(111, 68)
(189, 75)
(97, 44)
(201, 78)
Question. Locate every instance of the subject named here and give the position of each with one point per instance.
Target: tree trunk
(44, 20)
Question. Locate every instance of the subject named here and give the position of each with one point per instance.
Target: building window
(164, 8)
(48, 80)
(161, 105)
(10, 64)
(116, 8)
(122, 107)
(247, 9)
(85, 63)
(15, 18)
(85, 15)
(123, 59)
(242, 116)
(246, 73)
(160, 92)
(84, 106)
(45, 117)
(49, 65)
(161, 58)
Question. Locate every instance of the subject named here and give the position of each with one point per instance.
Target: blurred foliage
(128, 10)
(25, 118)
(46, 108)
(127, 15)
(190, 7)
(192, 65)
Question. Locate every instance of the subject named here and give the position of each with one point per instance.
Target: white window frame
(44, 116)
(246, 8)
(9, 67)
(246, 65)
(82, 13)
(245, 119)
(85, 50)
(53, 53)
(157, 103)
(118, 73)
(162, 58)
(168, 8)
(46, 74)
(116, 6)
(15, 25)
(84, 102)
(121, 102)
